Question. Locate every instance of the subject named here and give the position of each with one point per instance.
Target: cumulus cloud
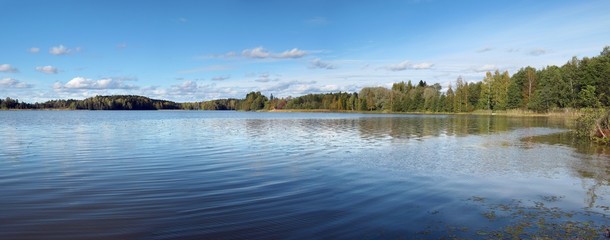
(538, 52)
(317, 63)
(13, 83)
(60, 50)
(258, 52)
(34, 50)
(195, 91)
(47, 69)
(299, 88)
(7, 68)
(261, 53)
(86, 83)
(293, 53)
(265, 77)
(423, 65)
(486, 68)
(329, 88)
(186, 87)
(404, 65)
(290, 84)
(190, 90)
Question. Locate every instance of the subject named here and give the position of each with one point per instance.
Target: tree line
(579, 83)
(116, 102)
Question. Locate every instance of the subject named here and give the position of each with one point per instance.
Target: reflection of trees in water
(593, 167)
(419, 126)
(594, 171)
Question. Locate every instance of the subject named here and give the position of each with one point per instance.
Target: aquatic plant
(594, 125)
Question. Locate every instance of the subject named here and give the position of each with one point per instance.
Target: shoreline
(562, 113)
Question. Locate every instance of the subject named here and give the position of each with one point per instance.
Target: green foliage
(116, 102)
(9, 103)
(254, 101)
(449, 100)
(486, 95)
(587, 98)
(461, 103)
(124, 102)
(515, 90)
(594, 124)
(376, 98)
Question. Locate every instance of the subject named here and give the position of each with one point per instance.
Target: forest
(579, 83)
(116, 102)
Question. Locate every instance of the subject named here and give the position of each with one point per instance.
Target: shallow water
(232, 175)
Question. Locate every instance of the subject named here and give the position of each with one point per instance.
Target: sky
(202, 50)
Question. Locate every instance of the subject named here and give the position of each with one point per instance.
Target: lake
(247, 175)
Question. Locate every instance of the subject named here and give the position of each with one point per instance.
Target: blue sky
(202, 50)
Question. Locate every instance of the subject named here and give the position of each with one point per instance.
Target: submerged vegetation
(516, 219)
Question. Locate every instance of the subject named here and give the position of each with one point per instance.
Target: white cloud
(538, 52)
(423, 65)
(258, 52)
(486, 68)
(185, 87)
(329, 88)
(317, 63)
(404, 65)
(8, 68)
(60, 50)
(190, 90)
(121, 45)
(290, 84)
(300, 88)
(293, 53)
(85, 83)
(34, 50)
(13, 83)
(266, 77)
(47, 69)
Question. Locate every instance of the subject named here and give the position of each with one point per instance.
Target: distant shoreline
(563, 113)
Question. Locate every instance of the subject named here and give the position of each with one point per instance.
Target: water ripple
(229, 175)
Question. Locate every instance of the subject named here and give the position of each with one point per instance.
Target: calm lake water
(242, 175)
